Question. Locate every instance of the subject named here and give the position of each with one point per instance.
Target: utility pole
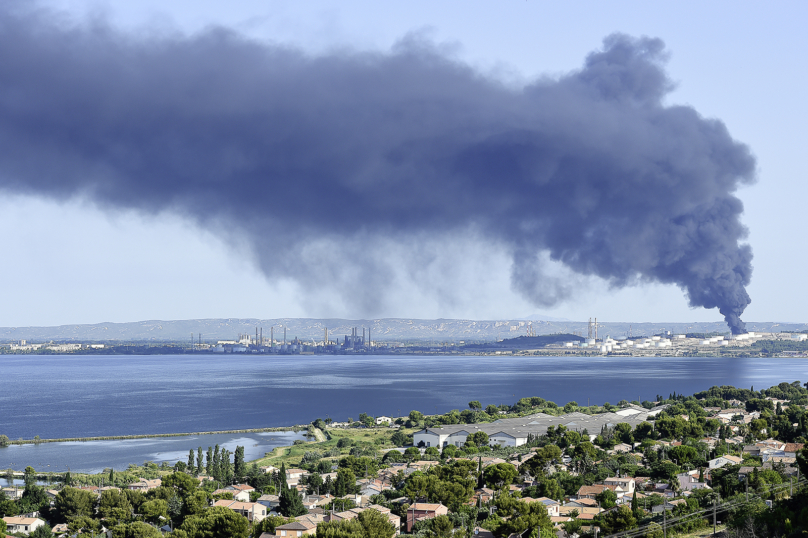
(664, 520)
(714, 526)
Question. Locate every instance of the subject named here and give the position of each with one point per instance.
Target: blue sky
(75, 262)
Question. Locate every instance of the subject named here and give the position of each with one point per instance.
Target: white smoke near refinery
(335, 156)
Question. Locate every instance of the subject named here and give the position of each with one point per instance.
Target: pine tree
(239, 469)
(199, 458)
(290, 503)
(191, 461)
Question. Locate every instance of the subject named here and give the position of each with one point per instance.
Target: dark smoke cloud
(319, 162)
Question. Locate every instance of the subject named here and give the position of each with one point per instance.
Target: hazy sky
(75, 262)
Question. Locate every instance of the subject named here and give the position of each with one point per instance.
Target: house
(551, 505)
(270, 501)
(668, 505)
(627, 484)
(724, 460)
(293, 476)
(240, 487)
(690, 481)
(25, 525)
(254, 512)
(296, 528)
(421, 511)
(313, 501)
(145, 485)
(268, 469)
(238, 496)
(623, 448)
(590, 492)
(353, 513)
(13, 493)
(583, 506)
(480, 532)
(383, 420)
(791, 449)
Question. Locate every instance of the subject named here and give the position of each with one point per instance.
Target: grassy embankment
(378, 438)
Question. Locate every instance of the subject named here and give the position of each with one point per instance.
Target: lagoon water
(82, 396)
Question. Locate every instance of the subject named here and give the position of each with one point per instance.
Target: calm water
(75, 396)
(94, 456)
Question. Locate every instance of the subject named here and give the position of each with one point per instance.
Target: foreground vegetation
(555, 465)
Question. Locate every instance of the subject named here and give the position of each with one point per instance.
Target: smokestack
(325, 340)
(261, 341)
(284, 335)
(363, 336)
(370, 341)
(271, 336)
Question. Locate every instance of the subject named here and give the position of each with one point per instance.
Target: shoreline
(20, 442)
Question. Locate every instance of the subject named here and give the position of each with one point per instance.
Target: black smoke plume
(317, 161)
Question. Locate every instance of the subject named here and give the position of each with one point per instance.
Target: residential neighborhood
(507, 470)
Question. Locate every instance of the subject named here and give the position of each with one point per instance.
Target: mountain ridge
(382, 329)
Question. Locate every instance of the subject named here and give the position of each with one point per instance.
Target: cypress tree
(239, 469)
(191, 461)
(634, 503)
(199, 460)
(209, 465)
(282, 478)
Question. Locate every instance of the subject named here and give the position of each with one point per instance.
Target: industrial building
(515, 431)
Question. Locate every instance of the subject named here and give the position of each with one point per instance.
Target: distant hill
(389, 329)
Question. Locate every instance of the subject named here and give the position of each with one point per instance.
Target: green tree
(136, 529)
(216, 522)
(618, 520)
(528, 518)
(375, 524)
(73, 503)
(290, 503)
(41, 532)
(441, 527)
(239, 468)
(29, 476)
(416, 416)
(84, 524)
(268, 525)
(500, 475)
(4, 441)
(209, 461)
(492, 410)
(200, 459)
(478, 438)
(153, 511)
(400, 438)
(607, 499)
(33, 499)
(475, 405)
(349, 528)
(551, 489)
(115, 505)
(190, 464)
